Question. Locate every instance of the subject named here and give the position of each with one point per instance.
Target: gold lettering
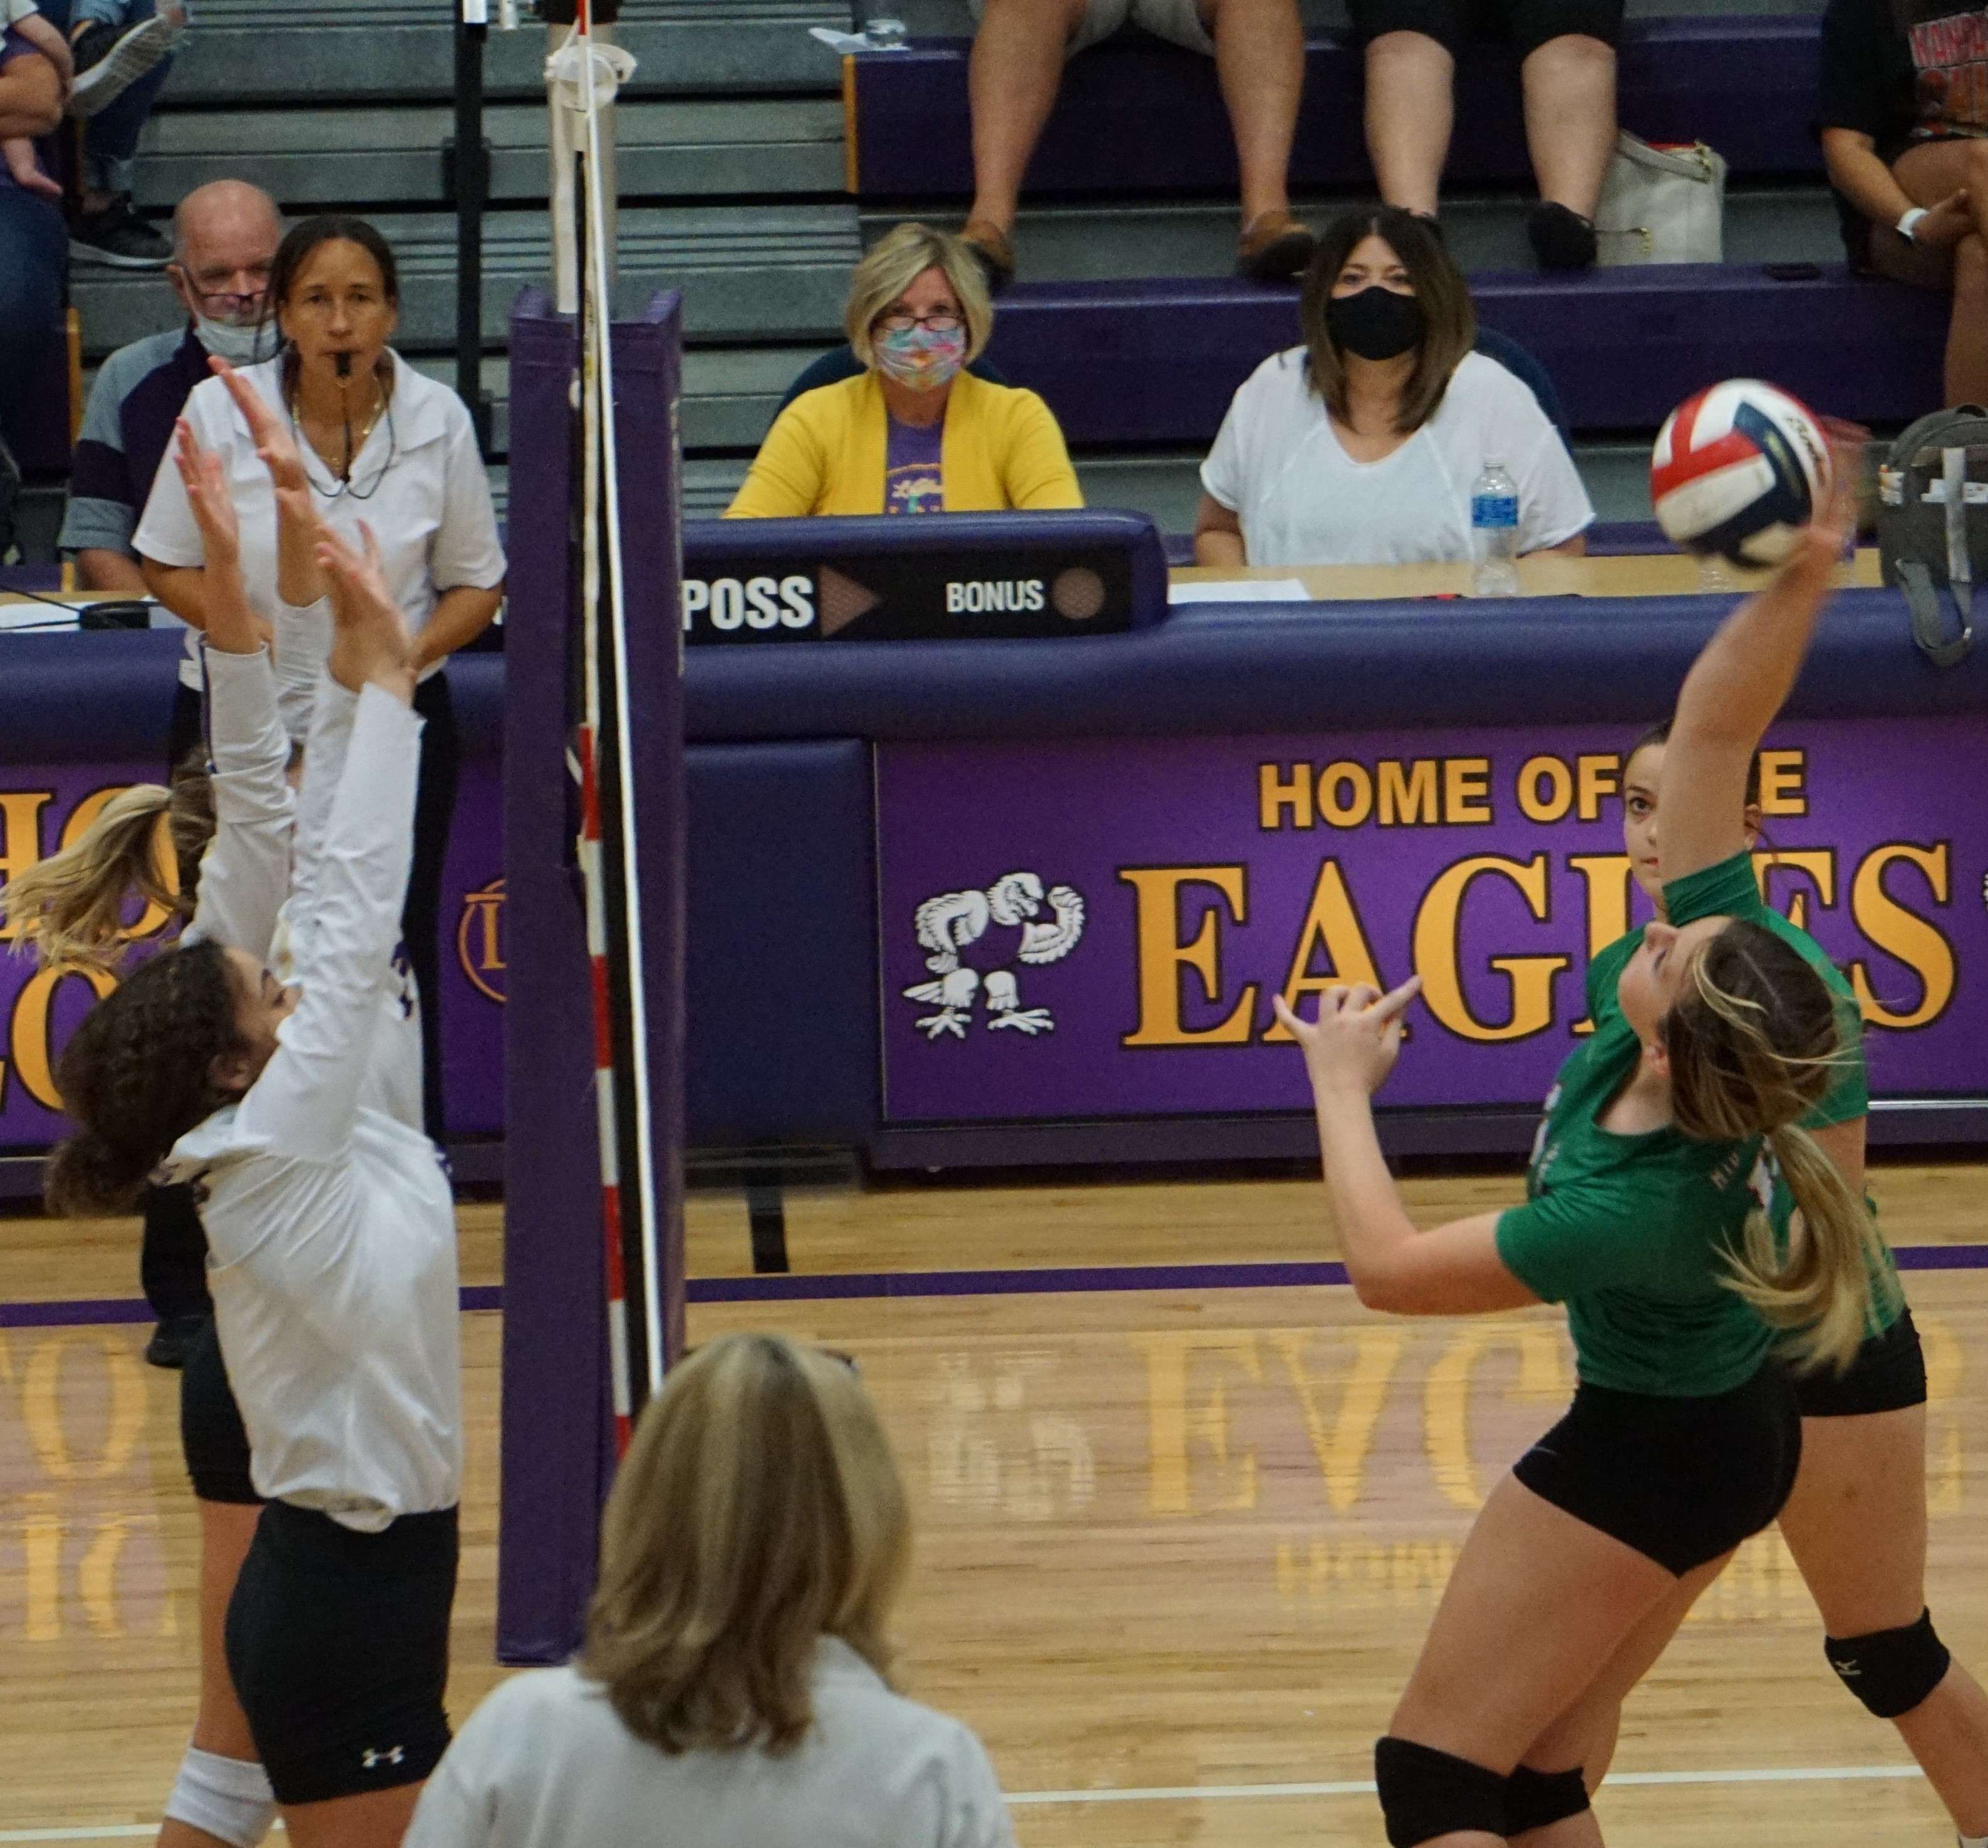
(20, 835)
(1274, 796)
(1607, 878)
(1595, 778)
(1332, 925)
(1818, 863)
(165, 867)
(34, 1057)
(96, 1571)
(1342, 1443)
(1902, 934)
(1358, 805)
(42, 1545)
(1162, 956)
(1172, 1423)
(1438, 924)
(1446, 1399)
(1782, 790)
(41, 1405)
(1559, 781)
(1408, 797)
(1466, 791)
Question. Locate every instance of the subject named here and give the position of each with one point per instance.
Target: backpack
(1932, 523)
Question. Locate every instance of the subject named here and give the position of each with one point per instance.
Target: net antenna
(583, 75)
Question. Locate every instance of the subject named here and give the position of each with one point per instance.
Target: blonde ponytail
(146, 843)
(1752, 1046)
(1819, 1286)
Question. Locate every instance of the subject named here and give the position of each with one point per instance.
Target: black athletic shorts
(1682, 1481)
(1525, 25)
(1887, 1375)
(338, 1644)
(211, 1433)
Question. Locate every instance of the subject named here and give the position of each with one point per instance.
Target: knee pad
(228, 1799)
(1536, 1799)
(1890, 1670)
(1425, 1793)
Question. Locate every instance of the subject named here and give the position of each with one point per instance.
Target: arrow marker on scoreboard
(843, 600)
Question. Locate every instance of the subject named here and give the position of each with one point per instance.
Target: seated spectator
(1258, 46)
(1566, 49)
(1362, 446)
(120, 50)
(914, 432)
(733, 1686)
(1902, 141)
(31, 251)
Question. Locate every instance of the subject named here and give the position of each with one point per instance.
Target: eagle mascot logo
(973, 941)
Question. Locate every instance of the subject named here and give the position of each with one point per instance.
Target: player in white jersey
(328, 1216)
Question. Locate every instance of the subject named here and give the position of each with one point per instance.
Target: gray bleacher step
(756, 272)
(951, 19)
(251, 51)
(320, 157)
(1104, 243)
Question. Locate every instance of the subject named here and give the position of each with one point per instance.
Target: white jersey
(330, 1221)
(545, 1763)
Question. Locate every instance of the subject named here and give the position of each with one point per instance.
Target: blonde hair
(1752, 1044)
(147, 842)
(894, 262)
(758, 1510)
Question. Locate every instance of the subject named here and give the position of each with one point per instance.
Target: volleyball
(1737, 470)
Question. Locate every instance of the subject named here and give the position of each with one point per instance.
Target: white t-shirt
(425, 495)
(1278, 465)
(545, 1763)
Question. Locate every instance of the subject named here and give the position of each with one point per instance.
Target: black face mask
(1377, 323)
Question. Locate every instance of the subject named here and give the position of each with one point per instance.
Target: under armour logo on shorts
(373, 1760)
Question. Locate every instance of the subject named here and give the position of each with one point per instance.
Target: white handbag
(1660, 204)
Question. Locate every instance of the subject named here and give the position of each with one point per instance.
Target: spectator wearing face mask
(914, 432)
(1362, 446)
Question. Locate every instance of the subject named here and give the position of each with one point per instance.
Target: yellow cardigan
(1001, 449)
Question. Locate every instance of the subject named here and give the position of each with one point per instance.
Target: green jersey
(1632, 1232)
(1732, 889)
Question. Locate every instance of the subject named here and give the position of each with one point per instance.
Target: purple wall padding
(557, 1457)
(1136, 115)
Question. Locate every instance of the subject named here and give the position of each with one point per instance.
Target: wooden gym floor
(1177, 1547)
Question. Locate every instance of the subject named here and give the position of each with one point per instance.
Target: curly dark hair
(138, 1074)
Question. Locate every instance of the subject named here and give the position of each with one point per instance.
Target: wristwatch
(1909, 223)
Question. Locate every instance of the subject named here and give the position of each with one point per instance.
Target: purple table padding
(557, 1448)
(1137, 116)
(1158, 361)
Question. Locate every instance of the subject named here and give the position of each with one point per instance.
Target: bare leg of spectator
(1967, 332)
(1259, 62)
(1570, 88)
(1010, 85)
(1409, 110)
(1929, 174)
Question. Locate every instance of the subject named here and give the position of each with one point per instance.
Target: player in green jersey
(1647, 1215)
(1856, 1522)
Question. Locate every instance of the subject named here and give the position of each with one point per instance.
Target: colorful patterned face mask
(919, 357)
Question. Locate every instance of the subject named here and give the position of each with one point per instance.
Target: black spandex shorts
(338, 1644)
(211, 1433)
(1887, 1375)
(1682, 1481)
(1525, 25)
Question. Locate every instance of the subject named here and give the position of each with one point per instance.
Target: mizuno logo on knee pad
(1890, 1670)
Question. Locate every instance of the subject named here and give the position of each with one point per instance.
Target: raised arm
(246, 872)
(306, 1100)
(1455, 1270)
(1735, 688)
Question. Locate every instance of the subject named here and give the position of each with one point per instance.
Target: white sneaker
(110, 59)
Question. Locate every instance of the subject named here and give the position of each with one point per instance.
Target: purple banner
(1090, 930)
(44, 809)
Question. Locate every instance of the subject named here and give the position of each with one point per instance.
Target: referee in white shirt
(331, 1222)
(374, 440)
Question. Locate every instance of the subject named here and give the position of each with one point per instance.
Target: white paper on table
(1241, 590)
(847, 42)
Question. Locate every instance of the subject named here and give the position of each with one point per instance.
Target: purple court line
(856, 1285)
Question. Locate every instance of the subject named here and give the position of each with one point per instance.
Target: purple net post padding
(557, 1442)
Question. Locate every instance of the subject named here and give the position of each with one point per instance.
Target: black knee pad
(1425, 1793)
(1536, 1799)
(1890, 1670)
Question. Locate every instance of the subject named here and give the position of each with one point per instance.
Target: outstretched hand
(207, 496)
(1354, 1040)
(370, 641)
(275, 447)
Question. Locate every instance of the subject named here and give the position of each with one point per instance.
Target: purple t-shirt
(13, 45)
(912, 482)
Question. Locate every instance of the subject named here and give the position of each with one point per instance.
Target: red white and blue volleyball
(1738, 469)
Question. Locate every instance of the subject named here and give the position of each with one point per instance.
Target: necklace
(354, 444)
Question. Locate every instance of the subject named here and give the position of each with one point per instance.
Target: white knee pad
(228, 1799)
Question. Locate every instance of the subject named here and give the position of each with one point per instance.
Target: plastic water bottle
(884, 35)
(1494, 533)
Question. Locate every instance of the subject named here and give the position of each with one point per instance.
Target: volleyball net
(593, 861)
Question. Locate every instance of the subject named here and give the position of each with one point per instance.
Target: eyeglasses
(222, 302)
(932, 323)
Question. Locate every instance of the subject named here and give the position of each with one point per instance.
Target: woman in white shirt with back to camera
(337, 412)
(733, 1687)
(1362, 447)
(330, 1223)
